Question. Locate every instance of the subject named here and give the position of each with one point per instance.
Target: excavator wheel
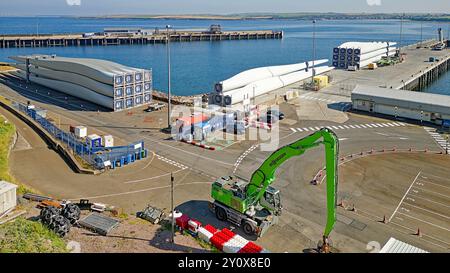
(248, 228)
(221, 214)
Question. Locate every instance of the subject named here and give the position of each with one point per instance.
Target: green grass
(25, 236)
(7, 130)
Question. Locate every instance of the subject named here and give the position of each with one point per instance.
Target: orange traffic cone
(419, 233)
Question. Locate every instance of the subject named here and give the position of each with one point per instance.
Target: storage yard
(392, 169)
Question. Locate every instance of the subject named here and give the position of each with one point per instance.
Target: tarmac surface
(375, 183)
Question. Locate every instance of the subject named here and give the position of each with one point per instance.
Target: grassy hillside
(7, 130)
(24, 236)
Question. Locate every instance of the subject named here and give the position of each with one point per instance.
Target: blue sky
(103, 7)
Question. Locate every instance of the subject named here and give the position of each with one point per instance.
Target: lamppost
(401, 35)
(173, 210)
(314, 50)
(169, 126)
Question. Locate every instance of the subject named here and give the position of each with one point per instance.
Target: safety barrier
(97, 157)
(224, 240)
(212, 148)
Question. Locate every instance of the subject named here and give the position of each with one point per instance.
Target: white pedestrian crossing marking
(437, 137)
(362, 126)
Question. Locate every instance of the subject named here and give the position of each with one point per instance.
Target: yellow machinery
(320, 81)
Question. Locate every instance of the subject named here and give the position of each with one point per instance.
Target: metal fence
(97, 157)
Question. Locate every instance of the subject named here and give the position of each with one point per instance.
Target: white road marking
(300, 129)
(293, 130)
(403, 198)
(426, 222)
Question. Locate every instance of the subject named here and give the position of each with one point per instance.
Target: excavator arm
(265, 174)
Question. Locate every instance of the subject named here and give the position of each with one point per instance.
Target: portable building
(8, 197)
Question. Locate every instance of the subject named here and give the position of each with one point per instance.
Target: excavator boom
(264, 176)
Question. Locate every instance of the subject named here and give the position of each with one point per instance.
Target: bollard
(384, 221)
(353, 208)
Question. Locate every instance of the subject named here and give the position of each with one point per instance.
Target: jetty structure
(134, 36)
(102, 82)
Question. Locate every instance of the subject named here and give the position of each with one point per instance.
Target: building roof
(6, 186)
(396, 246)
(433, 103)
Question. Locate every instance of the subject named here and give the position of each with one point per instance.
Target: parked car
(278, 114)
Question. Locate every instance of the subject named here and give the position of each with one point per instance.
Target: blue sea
(196, 66)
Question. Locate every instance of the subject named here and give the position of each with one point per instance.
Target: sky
(108, 7)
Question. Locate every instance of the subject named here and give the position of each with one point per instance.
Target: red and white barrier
(224, 240)
(199, 145)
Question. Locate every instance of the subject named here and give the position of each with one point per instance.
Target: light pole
(169, 126)
(314, 50)
(421, 33)
(401, 34)
(173, 211)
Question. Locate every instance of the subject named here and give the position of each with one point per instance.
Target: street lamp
(314, 50)
(401, 34)
(169, 126)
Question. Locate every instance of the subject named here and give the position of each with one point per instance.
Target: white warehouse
(428, 107)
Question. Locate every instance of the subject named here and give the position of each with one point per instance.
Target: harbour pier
(64, 40)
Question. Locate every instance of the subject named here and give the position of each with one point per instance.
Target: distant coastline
(294, 16)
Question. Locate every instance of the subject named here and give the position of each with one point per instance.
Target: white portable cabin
(8, 197)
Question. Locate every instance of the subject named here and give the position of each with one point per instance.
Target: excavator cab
(272, 201)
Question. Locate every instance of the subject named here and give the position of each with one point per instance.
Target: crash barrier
(97, 157)
(224, 240)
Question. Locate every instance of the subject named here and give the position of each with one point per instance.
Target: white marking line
(428, 200)
(351, 126)
(306, 129)
(311, 128)
(433, 192)
(403, 198)
(368, 125)
(346, 127)
(428, 182)
(334, 127)
(340, 127)
(300, 129)
(425, 235)
(429, 211)
(293, 130)
(426, 222)
(363, 126)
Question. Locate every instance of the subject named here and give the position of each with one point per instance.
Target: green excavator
(255, 205)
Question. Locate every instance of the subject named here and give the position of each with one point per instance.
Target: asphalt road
(147, 181)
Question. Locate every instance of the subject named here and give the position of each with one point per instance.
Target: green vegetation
(25, 236)
(7, 131)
